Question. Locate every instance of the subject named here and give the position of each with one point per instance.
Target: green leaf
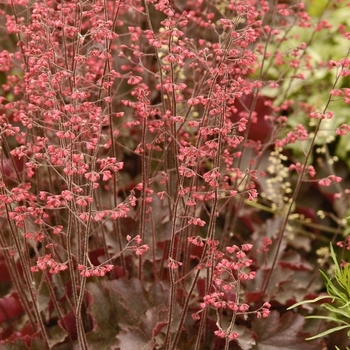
(303, 302)
(328, 318)
(337, 310)
(328, 331)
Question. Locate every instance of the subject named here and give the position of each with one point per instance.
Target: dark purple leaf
(293, 261)
(277, 333)
(10, 307)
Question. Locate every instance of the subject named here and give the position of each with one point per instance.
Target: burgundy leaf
(276, 333)
(293, 261)
(136, 299)
(25, 335)
(260, 129)
(5, 275)
(24, 344)
(158, 328)
(95, 255)
(246, 338)
(105, 311)
(10, 307)
(69, 324)
(152, 320)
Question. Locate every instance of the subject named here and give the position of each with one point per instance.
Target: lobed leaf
(282, 332)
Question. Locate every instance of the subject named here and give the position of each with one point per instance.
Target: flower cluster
(47, 261)
(140, 248)
(228, 275)
(99, 271)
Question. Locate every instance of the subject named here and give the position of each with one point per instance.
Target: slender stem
(296, 191)
(15, 235)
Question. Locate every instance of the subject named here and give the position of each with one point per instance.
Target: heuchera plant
(170, 171)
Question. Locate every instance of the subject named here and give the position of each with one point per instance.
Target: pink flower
(134, 80)
(220, 334)
(232, 249)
